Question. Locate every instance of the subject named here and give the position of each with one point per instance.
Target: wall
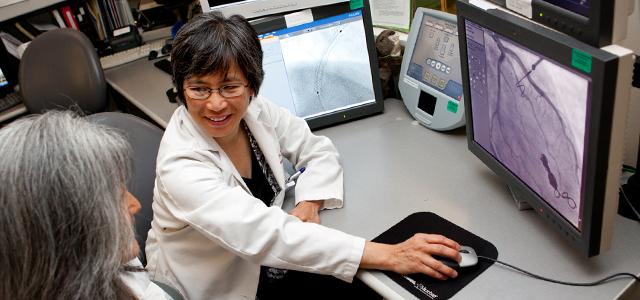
(633, 117)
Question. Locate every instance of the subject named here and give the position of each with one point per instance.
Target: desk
(13, 112)
(144, 85)
(394, 167)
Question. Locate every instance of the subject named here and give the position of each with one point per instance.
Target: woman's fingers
(439, 239)
(440, 268)
(425, 247)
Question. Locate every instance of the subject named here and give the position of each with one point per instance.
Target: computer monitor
(546, 113)
(430, 82)
(324, 71)
(8, 72)
(595, 22)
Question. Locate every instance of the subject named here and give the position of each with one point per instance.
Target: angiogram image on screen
(530, 113)
(318, 67)
(436, 59)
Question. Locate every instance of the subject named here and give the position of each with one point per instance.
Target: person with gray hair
(218, 229)
(66, 226)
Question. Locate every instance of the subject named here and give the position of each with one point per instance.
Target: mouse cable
(601, 281)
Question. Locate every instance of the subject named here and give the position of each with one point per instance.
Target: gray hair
(210, 44)
(64, 229)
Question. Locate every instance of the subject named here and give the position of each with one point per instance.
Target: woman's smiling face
(218, 116)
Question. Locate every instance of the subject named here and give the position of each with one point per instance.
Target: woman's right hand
(413, 256)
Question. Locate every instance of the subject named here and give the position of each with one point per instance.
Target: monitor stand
(520, 204)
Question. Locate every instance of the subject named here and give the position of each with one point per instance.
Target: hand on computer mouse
(468, 258)
(415, 255)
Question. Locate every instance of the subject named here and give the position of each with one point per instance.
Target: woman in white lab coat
(220, 180)
(66, 223)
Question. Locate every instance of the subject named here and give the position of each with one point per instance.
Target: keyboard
(10, 101)
(129, 55)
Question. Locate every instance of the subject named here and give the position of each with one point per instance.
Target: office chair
(144, 138)
(61, 69)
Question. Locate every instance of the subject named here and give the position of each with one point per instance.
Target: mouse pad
(423, 286)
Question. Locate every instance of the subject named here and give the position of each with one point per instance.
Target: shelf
(24, 7)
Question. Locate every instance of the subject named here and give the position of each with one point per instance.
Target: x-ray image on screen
(318, 67)
(529, 112)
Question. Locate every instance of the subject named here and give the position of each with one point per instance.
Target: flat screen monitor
(324, 70)
(430, 81)
(542, 116)
(595, 22)
(8, 72)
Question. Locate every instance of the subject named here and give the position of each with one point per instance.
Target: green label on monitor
(581, 60)
(452, 106)
(355, 4)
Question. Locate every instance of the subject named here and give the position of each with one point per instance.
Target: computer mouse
(468, 258)
(153, 54)
(166, 49)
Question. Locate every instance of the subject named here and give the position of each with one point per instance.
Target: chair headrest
(61, 69)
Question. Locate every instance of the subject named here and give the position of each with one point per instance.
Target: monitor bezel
(558, 47)
(352, 113)
(592, 29)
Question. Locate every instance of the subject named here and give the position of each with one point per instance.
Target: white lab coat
(209, 235)
(140, 285)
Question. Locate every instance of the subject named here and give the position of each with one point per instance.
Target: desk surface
(144, 86)
(394, 167)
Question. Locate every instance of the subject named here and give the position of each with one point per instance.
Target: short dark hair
(211, 43)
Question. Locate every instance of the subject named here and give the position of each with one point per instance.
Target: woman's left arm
(321, 184)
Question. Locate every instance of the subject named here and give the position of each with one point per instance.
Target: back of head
(63, 223)
(211, 43)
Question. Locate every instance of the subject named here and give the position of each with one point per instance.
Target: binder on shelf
(58, 17)
(69, 18)
(86, 23)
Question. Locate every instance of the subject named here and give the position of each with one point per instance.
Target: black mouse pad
(423, 286)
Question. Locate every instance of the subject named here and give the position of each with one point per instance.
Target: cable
(601, 281)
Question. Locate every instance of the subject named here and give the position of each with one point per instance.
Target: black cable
(601, 281)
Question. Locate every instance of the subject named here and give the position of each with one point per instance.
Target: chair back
(61, 69)
(144, 138)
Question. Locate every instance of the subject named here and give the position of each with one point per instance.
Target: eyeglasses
(227, 91)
